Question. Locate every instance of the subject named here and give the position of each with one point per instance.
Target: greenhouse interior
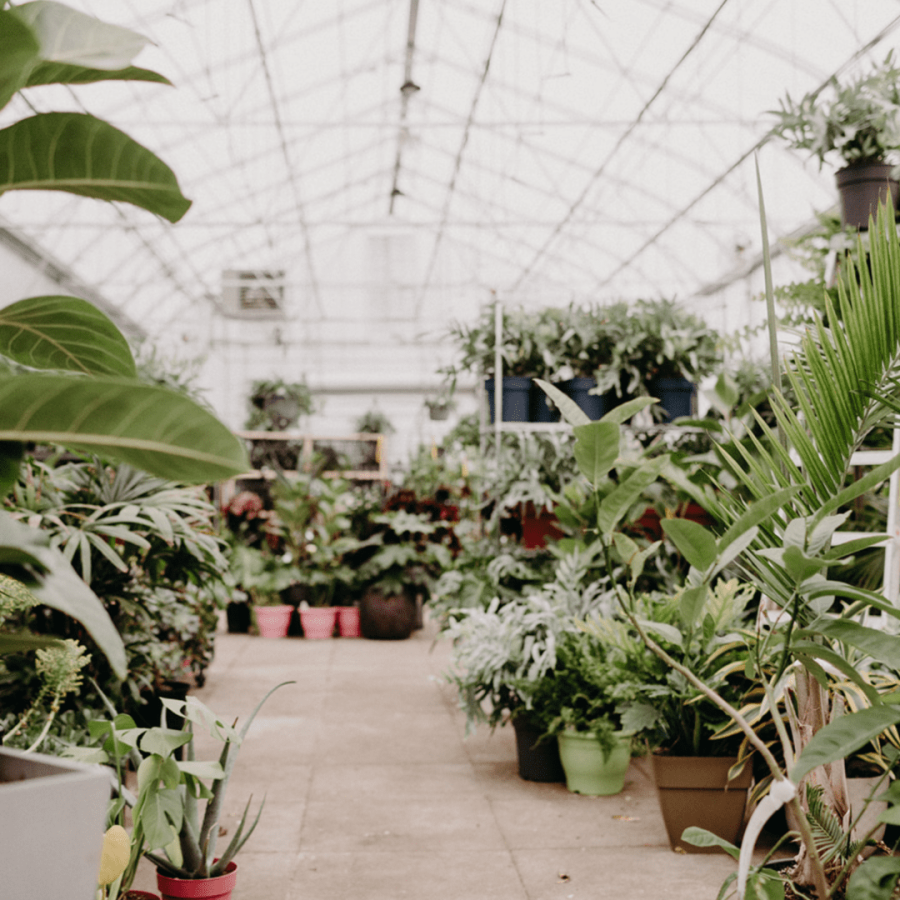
(450, 449)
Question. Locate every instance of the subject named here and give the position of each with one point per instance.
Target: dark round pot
(541, 409)
(387, 617)
(516, 398)
(594, 406)
(537, 762)
(675, 395)
(862, 186)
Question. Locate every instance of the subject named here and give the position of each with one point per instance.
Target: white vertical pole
(892, 550)
(498, 371)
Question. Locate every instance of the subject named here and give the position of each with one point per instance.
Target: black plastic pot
(516, 398)
(238, 616)
(594, 406)
(537, 762)
(675, 395)
(862, 186)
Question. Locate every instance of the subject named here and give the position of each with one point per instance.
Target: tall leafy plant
(78, 385)
(779, 531)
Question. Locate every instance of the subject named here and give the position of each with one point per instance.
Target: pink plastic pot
(318, 621)
(273, 621)
(198, 888)
(348, 621)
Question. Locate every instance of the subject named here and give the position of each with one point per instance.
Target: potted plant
(263, 575)
(582, 702)
(503, 652)
(666, 350)
(857, 122)
(175, 812)
(519, 352)
(780, 525)
(700, 763)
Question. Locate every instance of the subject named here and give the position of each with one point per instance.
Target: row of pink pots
(317, 622)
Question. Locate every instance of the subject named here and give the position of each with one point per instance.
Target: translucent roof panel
(583, 148)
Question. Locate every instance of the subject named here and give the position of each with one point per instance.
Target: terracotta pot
(692, 792)
(318, 622)
(273, 621)
(588, 770)
(195, 888)
(348, 621)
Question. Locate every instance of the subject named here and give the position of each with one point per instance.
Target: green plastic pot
(588, 770)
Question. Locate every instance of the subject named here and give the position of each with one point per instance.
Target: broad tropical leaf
(147, 426)
(64, 333)
(844, 736)
(568, 408)
(61, 73)
(68, 36)
(694, 542)
(18, 52)
(596, 449)
(83, 155)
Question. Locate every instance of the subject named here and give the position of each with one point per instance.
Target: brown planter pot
(387, 617)
(692, 792)
(862, 187)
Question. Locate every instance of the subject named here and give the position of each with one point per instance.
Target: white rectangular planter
(52, 817)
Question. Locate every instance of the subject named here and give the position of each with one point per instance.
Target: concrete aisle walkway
(374, 793)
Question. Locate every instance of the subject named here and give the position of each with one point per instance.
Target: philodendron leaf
(844, 736)
(18, 52)
(568, 408)
(64, 333)
(596, 449)
(694, 542)
(68, 36)
(147, 426)
(82, 155)
(61, 73)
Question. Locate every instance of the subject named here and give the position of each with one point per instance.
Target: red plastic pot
(318, 621)
(219, 888)
(348, 621)
(273, 621)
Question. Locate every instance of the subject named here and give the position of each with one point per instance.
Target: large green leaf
(884, 648)
(61, 73)
(844, 736)
(18, 52)
(694, 542)
(596, 449)
(875, 879)
(64, 333)
(83, 155)
(150, 427)
(68, 36)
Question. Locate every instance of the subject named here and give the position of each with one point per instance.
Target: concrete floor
(373, 791)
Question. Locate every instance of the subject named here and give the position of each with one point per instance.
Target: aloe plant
(78, 387)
